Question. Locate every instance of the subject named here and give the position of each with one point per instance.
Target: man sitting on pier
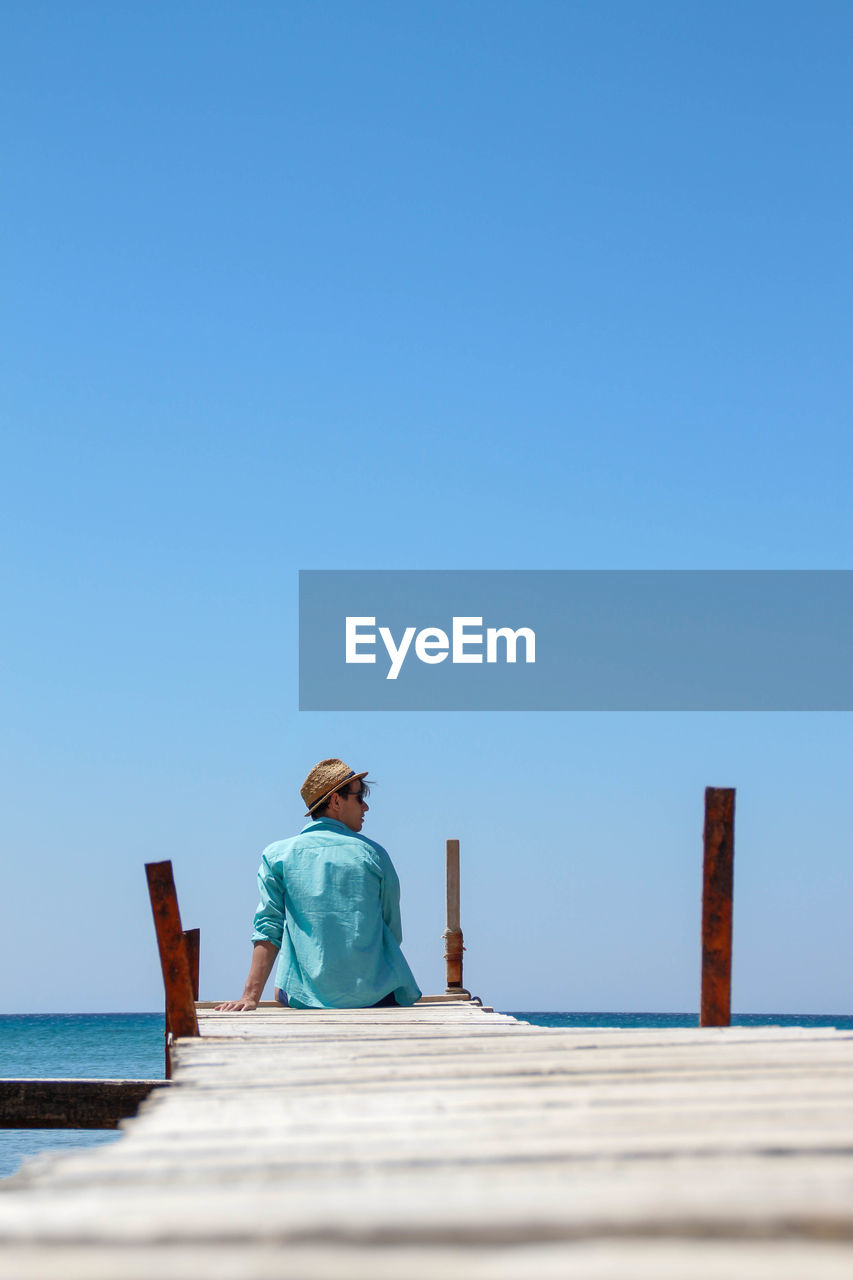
(330, 903)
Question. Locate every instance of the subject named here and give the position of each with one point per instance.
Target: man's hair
(364, 787)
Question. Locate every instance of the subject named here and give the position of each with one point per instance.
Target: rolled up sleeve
(269, 916)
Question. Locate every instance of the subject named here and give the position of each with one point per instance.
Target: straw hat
(327, 776)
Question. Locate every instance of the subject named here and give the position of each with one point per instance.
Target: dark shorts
(386, 1002)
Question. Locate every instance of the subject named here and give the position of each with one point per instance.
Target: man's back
(340, 932)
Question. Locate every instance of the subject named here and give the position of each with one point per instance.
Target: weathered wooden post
(174, 961)
(717, 883)
(192, 942)
(453, 946)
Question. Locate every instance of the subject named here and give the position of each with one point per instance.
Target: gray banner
(575, 640)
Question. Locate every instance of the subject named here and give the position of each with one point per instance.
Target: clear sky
(430, 285)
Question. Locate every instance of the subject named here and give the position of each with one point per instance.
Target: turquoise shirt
(330, 899)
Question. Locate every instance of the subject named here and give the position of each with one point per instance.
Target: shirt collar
(331, 823)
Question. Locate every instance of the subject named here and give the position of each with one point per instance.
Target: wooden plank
(636, 1258)
(71, 1104)
(104, 1197)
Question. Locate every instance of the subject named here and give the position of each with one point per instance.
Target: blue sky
(301, 286)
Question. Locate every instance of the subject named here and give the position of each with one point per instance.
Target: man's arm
(263, 959)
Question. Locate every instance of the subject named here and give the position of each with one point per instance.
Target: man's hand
(237, 1006)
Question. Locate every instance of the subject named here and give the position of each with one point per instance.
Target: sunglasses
(359, 795)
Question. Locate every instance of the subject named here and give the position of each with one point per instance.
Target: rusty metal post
(717, 884)
(180, 1004)
(192, 942)
(453, 946)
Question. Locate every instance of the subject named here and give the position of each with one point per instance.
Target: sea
(129, 1046)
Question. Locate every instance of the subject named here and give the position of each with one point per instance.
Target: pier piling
(453, 944)
(174, 955)
(718, 868)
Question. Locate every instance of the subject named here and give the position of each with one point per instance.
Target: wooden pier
(450, 1141)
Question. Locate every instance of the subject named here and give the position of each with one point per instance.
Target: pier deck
(448, 1141)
